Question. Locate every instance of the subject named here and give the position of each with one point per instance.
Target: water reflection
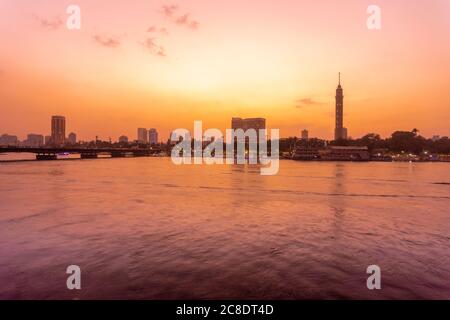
(146, 229)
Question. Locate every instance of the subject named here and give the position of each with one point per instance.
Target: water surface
(144, 228)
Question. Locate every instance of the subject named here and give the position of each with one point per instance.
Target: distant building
(249, 123)
(47, 140)
(304, 134)
(142, 134)
(237, 123)
(72, 138)
(123, 139)
(153, 136)
(58, 130)
(340, 132)
(34, 140)
(8, 140)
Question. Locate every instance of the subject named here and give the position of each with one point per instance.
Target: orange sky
(272, 59)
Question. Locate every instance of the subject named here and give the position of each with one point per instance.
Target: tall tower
(142, 135)
(152, 136)
(58, 130)
(340, 132)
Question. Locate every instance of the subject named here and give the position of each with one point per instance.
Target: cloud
(306, 102)
(49, 23)
(109, 42)
(184, 20)
(151, 29)
(169, 10)
(193, 25)
(161, 52)
(161, 30)
(164, 31)
(181, 20)
(149, 43)
(151, 46)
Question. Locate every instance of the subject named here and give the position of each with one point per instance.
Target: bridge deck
(51, 150)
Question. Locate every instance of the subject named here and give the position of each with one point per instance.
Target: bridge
(51, 153)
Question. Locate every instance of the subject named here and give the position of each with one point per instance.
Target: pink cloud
(49, 23)
(109, 42)
(169, 12)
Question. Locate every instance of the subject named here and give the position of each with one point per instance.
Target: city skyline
(395, 77)
(225, 157)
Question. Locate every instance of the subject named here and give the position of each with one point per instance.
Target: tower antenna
(339, 78)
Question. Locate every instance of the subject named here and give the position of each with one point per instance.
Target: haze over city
(165, 64)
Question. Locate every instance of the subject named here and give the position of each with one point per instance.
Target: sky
(164, 64)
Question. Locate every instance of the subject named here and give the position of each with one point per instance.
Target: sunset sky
(164, 64)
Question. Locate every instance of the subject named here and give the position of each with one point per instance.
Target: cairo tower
(340, 132)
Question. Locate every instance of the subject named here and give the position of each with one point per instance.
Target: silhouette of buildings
(249, 123)
(123, 139)
(340, 132)
(34, 140)
(304, 134)
(72, 138)
(142, 134)
(58, 130)
(8, 140)
(153, 136)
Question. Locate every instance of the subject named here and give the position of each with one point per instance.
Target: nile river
(143, 228)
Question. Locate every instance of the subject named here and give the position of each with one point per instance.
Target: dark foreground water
(145, 228)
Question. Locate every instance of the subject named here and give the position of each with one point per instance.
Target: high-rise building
(153, 136)
(72, 138)
(47, 140)
(237, 123)
(34, 140)
(142, 134)
(8, 140)
(340, 132)
(58, 130)
(249, 123)
(304, 134)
